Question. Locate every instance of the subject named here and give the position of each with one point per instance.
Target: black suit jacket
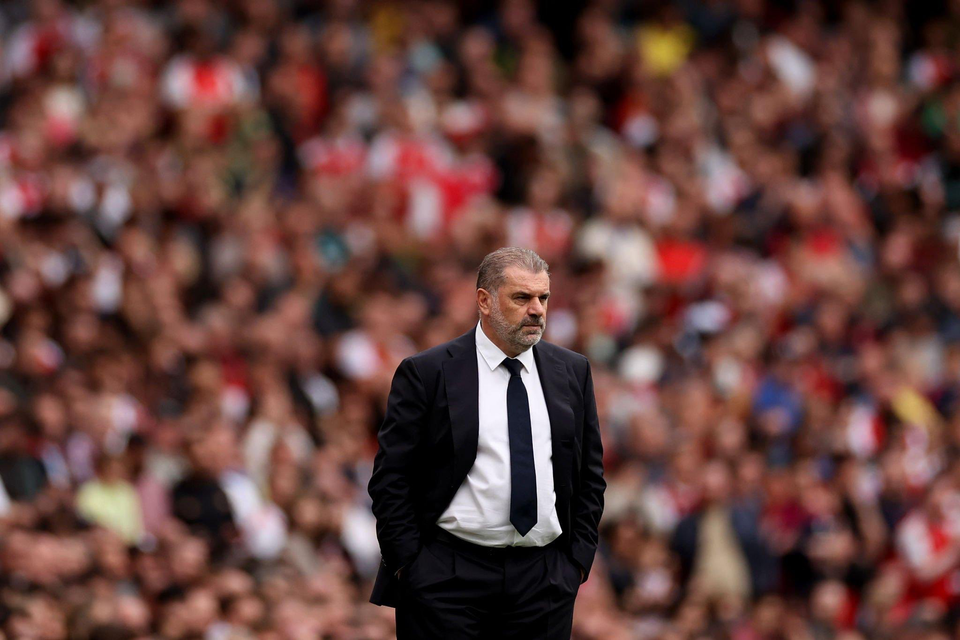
(428, 443)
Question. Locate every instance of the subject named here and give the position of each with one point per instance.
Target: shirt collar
(493, 355)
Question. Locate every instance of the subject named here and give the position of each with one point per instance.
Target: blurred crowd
(224, 223)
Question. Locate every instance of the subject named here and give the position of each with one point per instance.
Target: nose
(535, 308)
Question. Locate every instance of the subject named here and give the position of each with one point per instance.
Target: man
(722, 553)
(488, 485)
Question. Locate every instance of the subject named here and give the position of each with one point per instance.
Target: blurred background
(224, 223)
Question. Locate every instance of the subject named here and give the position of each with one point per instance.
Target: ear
(484, 300)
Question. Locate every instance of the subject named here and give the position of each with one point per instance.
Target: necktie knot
(513, 366)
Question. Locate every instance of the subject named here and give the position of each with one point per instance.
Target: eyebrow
(527, 293)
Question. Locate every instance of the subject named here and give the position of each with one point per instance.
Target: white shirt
(480, 510)
(262, 523)
(5, 502)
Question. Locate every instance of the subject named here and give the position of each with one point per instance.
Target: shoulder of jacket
(433, 357)
(564, 354)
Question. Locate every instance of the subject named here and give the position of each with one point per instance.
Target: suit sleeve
(399, 437)
(587, 503)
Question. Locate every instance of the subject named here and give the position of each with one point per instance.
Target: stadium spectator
(224, 224)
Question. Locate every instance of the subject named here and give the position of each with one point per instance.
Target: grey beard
(511, 334)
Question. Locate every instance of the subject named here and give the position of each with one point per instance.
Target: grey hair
(490, 274)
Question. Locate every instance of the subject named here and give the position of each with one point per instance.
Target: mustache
(539, 323)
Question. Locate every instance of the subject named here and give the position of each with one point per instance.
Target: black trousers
(456, 590)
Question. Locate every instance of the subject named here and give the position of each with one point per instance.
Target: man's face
(517, 311)
(716, 483)
(214, 452)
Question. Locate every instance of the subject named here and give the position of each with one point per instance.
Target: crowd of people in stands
(224, 223)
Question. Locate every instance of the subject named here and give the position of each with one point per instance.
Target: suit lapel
(463, 390)
(553, 378)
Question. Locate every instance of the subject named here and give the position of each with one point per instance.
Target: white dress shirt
(480, 510)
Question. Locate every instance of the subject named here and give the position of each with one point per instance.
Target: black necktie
(523, 476)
